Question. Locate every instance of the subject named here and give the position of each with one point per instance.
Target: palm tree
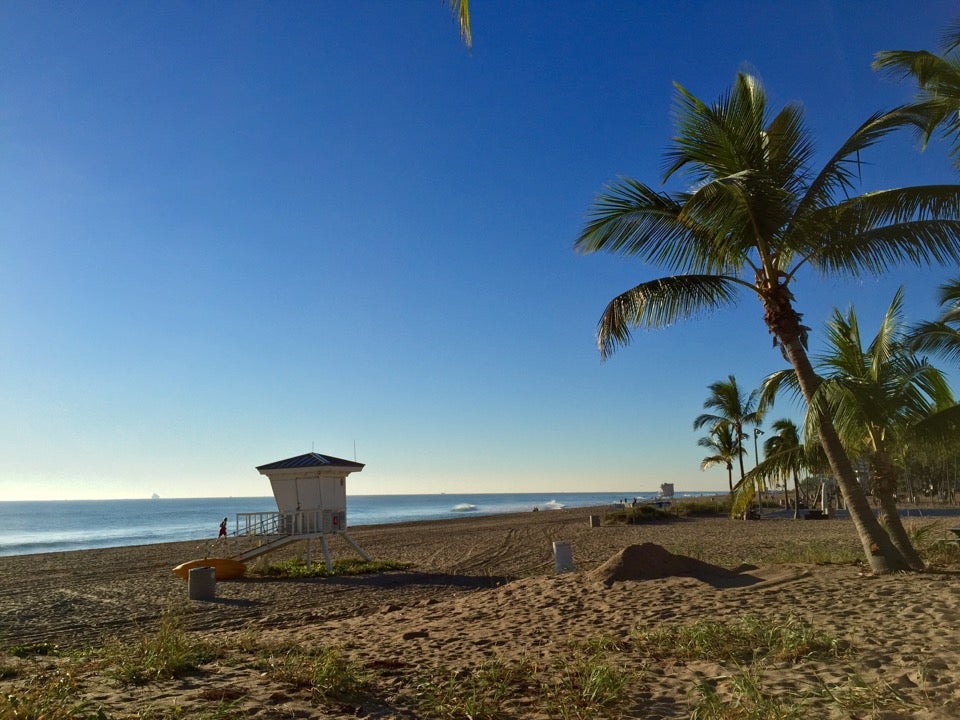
(785, 440)
(754, 216)
(730, 407)
(725, 446)
(784, 457)
(938, 78)
(875, 396)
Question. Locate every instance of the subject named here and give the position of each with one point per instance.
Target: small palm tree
(938, 78)
(753, 216)
(725, 446)
(785, 439)
(730, 407)
(784, 457)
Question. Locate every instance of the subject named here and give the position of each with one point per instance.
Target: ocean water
(28, 527)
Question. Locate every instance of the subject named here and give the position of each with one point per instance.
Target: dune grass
(297, 568)
(649, 512)
(168, 652)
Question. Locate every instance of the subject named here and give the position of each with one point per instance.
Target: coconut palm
(730, 407)
(785, 440)
(938, 78)
(876, 395)
(725, 446)
(784, 457)
(753, 216)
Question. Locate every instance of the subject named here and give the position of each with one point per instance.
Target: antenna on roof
(354, 450)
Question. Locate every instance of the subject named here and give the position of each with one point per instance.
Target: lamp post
(757, 432)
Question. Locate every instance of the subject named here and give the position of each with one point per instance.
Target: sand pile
(650, 561)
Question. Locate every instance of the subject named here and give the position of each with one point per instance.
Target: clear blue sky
(234, 232)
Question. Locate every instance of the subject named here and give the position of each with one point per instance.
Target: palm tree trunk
(881, 553)
(885, 487)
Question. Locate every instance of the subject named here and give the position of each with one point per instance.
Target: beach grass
(168, 652)
(742, 639)
(326, 671)
(297, 568)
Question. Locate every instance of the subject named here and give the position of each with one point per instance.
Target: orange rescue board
(224, 568)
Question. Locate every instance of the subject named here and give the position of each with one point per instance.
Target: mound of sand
(650, 561)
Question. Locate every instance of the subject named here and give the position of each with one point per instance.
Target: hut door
(308, 493)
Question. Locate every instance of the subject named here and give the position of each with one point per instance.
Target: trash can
(202, 583)
(594, 521)
(563, 556)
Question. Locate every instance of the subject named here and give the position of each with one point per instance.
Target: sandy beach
(481, 606)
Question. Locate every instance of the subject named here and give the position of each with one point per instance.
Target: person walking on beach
(223, 529)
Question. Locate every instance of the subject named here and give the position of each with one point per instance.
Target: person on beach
(223, 529)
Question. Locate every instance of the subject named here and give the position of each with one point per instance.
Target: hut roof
(311, 460)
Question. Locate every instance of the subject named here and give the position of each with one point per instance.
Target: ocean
(28, 527)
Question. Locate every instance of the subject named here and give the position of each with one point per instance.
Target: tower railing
(297, 522)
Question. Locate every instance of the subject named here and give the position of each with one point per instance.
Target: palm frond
(659, 303)
(718, 140)
(839, 173)
(875, 231)
(461, 13)
(630, 218)
(936, 338)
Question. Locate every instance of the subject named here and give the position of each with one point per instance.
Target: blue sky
(235, 232)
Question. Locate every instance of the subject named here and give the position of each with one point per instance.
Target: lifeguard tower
(311, 495)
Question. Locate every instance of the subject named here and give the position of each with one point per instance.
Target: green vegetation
(325, 671)
(48, 696)
(482, 693)
(751, 212)
(33, 649)
(169, 652)
(745, 700)
(648, 512)
(744, 639)
(297, 568)
(584, 685)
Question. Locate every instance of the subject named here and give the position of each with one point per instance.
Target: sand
(483, 593)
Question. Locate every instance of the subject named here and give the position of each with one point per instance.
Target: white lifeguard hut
(311, 495)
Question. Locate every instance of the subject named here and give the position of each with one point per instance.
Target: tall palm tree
(730, 407)
(875, 395)
(725, 446)
(938, 78)
(752, 217)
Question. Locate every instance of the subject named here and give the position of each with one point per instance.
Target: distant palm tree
(938, 78)
(784, 457)
(725, 446)
(785, 440)
(755, 215)
(730, 407)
